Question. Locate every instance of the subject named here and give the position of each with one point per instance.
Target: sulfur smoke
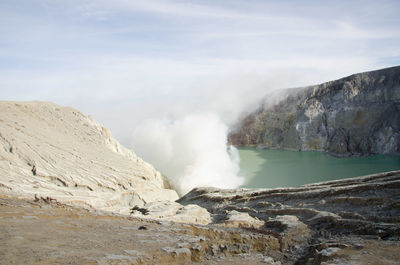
(187, 140)
(191, 151)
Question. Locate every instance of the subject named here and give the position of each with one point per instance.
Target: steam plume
(190, 151)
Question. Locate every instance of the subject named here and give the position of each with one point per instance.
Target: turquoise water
(264, 168)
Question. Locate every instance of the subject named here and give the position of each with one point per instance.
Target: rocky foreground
(351, 221)
(317, 222)
(355, 115)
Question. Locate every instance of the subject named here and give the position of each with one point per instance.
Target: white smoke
(185, 137)
(234, 154)
(191, 151)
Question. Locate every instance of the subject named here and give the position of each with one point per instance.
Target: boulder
(240, 219)
(173, 211)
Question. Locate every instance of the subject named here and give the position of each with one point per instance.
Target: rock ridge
(51, 151)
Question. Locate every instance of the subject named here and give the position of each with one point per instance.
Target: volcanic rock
(355, 115)
(53, 152)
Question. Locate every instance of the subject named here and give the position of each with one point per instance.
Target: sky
(132, 60)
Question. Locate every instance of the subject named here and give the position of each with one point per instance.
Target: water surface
(265, 168)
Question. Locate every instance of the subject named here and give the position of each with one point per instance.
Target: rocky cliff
(355, 115)
(53, 152)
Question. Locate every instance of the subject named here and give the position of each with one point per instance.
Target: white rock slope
(55, 151)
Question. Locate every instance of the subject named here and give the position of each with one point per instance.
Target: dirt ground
(52, 233)
(41, 233)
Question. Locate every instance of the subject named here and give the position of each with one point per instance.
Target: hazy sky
(124, 61)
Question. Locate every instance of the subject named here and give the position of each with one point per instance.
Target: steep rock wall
(356, 115)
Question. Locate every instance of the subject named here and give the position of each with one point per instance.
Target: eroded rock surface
(356, 115)
(242, 219)
(334, 214)
(173, 211)
(52, 233)
(57, 152)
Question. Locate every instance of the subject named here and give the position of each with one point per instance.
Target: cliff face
(355, 115)
(58, 152)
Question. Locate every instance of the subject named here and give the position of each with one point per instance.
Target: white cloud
(175, 8)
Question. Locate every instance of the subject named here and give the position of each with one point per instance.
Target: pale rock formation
(173, 211)
(58, 152)
(241, 219)
(271, 261)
